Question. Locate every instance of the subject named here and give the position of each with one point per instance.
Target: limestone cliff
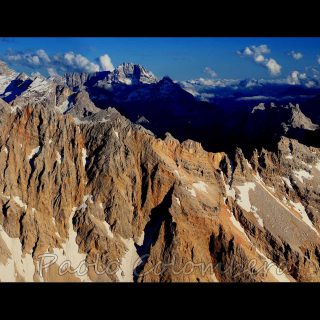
(86, 195)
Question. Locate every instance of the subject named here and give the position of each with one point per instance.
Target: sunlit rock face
(87, 195)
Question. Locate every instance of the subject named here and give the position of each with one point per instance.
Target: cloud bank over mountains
(208, 88)
(295, 85)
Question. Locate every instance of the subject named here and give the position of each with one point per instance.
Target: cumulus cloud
(58, 64)
(105, 63)
(33, 60)
(295, 77)
(210, 72)
(257, 54)
(273, 66)
(43, 55)
(295, 55)
(254, 50)
(259, 58)
(78, 62)
(14, 57)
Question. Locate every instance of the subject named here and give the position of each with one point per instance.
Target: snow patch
(116, 133)
(201, 186)
(243, 199)
(178, 201)
(237, 224)
(18, 263)
(39, 85)
(192, 191)
(58, 157)
(129, 262)
(141, 239)
(307, 165)
(33, 152)
(287, 182)
(108, 229)
(254, 210)
(87, 197)
(84, 157)
(19, 202)
(302, 174)
(70, 251)
(176, 172)
(230, 191)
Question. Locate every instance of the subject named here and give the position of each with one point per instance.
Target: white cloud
(273, 67)
(247, 52)
(206, 82)
(295, 78)
(79, 62)
(105, 63)
(210, 72)
(43, 55)
(311, 84)
(259, 58)
(34, 59)
(58, 64)
(30, 59)
(295, 55)
(254, 50)
(14, 57)
(255, 98)
(257, 54)
(318, 59)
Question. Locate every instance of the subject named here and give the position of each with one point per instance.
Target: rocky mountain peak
(5, 70)
(129, 73)
(23, 76)
(260, 106)
(299, 120)
(82, 183)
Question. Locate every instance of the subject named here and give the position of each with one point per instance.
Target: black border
(258, 19)
(165, 19)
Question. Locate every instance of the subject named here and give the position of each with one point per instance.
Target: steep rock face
(299, 120)
(80, 105)
(86, 195)
(126, 73)
(105, 190)
(267, 123)
(129, 73)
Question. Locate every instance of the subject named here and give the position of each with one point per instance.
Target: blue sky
(179, 58)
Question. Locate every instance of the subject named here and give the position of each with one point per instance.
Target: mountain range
(149, 182)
